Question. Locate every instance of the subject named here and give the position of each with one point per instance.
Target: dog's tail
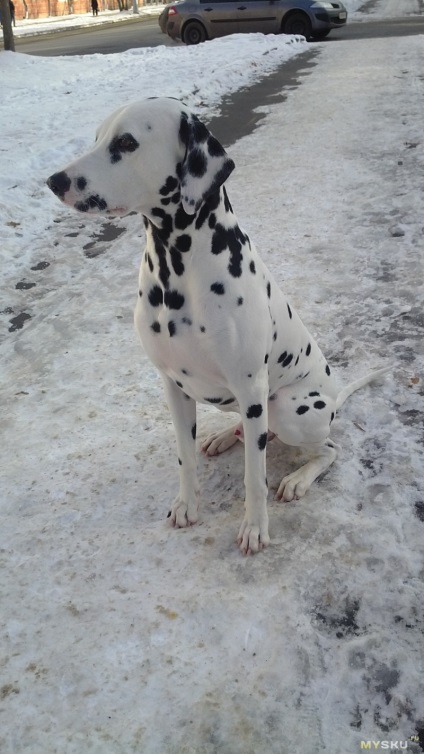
(349, 389)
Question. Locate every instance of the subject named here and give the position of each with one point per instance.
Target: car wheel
(317, 35)
(298, 23)
(194, 33)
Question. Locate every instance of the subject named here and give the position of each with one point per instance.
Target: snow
(120, 634)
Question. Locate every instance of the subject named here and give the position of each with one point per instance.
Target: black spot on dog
(332, 417)
(262, 440)
(212, 220)
(313, 394)
(287, 360)
(213, 400)
(164, 231)
(219, 239)
(197, 163)
(266, 359)
(202, 216)
(199, 131)
(172, 330)
(173, 299)
(239, 301)
(193, 431)
(180, 463)
(252, 268)
(156, 296)
(274, 336)
(235, 239)
(149, 262)
(218, 288)
(327, 369)
(319, 404)
(180, 384)
(164, 271)
(170, 185)
(202, 328)
(93, 202)
(227, 402)
(296, 362)
(227, 203)
(81, 183)
(254, 411)
(185, 130)
(186, 321)
(177, 261)
(120, 145)
(302, 410)
(282, 357)
(215, 149)
(289, 311)
(182, 219)
(155, 327)
(183, 243)
(268, 289)
(308, 350)
(140, 293)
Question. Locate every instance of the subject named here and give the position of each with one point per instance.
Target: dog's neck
(166, 223)
(170, 233)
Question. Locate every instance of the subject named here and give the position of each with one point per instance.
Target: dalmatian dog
(209, 313)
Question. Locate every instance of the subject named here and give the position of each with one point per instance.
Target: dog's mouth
(117, 211)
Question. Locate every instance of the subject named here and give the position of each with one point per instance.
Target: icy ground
(120, 635)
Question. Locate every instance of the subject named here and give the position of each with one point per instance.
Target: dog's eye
(124, 143)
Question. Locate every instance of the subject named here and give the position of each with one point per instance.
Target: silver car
(193, 21)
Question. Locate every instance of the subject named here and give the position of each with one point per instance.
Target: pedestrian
(95, 7)
(12, 12)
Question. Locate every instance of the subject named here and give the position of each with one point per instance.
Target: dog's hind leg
(296, 484)
(219, 442)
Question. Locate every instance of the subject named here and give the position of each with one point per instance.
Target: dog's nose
(59, 183)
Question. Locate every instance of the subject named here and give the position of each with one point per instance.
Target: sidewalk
(29, 27)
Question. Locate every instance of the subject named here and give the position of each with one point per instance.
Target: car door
(220, 17)
(258, 15)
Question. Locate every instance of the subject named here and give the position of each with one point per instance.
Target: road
(146, 33)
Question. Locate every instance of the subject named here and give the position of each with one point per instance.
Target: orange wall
(40, 8)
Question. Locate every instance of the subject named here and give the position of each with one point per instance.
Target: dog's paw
(252, 538)
(218, 442)
(293, 486)
(183, 514)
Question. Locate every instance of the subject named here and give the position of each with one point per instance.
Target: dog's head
(144, 152)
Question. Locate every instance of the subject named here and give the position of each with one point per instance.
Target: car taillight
(172, 11)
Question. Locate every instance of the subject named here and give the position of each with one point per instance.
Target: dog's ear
(206, 164)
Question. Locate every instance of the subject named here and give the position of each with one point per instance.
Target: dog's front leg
(253, 534)
(183, 411)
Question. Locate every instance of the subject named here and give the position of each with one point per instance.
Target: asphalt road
(146, 33)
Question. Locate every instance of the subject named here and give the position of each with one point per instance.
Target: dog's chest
(192, 328)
